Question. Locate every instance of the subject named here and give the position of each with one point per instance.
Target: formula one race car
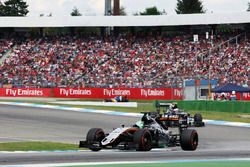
(154, 130)
(117, 99)
(172, 109)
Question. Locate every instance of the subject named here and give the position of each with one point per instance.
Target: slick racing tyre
(94, 138)
(189, 140)
(143, 140)
(197, 117)
(198, 120)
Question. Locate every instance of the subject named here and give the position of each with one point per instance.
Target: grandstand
(134, 59)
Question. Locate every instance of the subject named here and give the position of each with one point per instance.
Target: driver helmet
(139, 124)
(174, 106)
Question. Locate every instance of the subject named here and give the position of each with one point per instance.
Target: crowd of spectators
(124, 61)
(4, 46)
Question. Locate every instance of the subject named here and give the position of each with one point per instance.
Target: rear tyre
(143, 140)
(197, 117)
(94, 138)
(189, 140)
(198, 120)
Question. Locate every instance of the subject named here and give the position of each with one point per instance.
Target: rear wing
(162, 104)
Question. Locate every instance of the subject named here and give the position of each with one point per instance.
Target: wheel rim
(146, 141)
(194, 141)
(99, 136)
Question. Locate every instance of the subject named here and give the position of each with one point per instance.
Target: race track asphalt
(31, 124)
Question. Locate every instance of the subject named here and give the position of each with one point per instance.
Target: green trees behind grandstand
(189, 6)
(123, 11)
(14, 8)
(75, 12)
(151, 11)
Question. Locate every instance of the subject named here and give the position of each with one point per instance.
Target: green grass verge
(186, 164)
(224, 116)
(36, 146)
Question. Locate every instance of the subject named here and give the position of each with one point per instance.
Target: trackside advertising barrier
(96, 93)
(131, 93)
(102, 93)
(246, 96)
(25, 92)
(211, 106)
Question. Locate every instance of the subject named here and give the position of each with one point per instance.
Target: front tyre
(94, 138)
(143, 140)
(189, 140)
